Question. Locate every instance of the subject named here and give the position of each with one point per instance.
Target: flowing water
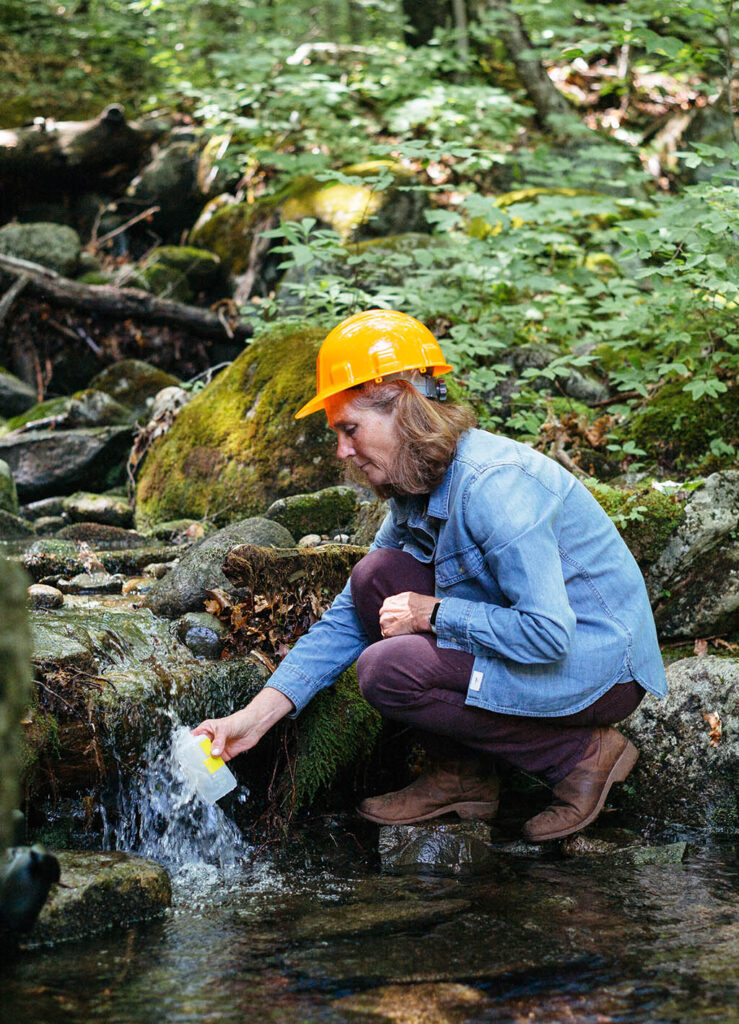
(317, 933)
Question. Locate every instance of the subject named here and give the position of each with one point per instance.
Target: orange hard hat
(370, 346)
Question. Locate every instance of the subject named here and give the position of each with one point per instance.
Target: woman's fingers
(406, 613)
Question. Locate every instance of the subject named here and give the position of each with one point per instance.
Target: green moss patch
(645, 519)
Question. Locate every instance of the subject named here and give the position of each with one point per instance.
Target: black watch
(434, 613)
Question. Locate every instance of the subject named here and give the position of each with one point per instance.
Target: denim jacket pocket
(462, 565)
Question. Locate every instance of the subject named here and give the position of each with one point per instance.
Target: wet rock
(235, 447)
(202, 633)
(324, 511)
(138, 585)
(26, 875)
(133, 382)
(310, 540)
(92, 583)
(99, 536)
(41, 596)
(15, 690)
(438, 849)
(694, 584)
(55, 246)
(47, 560)
(108, 509)
(8, 493)
(48, 462)
(182, 531)
(686, 772)
(14, 528)
(105, 891)
(15, 395)
(184, 588)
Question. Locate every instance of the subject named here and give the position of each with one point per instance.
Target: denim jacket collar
(414, 508)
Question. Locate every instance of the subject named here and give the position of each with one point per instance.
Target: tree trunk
(545, 97)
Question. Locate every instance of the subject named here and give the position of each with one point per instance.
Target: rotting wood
(122, 302)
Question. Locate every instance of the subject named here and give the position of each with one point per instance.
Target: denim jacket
(534, 580)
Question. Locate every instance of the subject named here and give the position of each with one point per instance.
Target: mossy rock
(676, 431)
(40, 411)
(131, 382)
(8, 492)
(88, 408)
(14, 528)
(55, 246)
(102, 536)
(227, 229)
(645, 519)
(165, 281)
(326, 511)
(201, 269)
(236, 448)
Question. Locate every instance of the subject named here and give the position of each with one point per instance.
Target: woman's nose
(344, 448)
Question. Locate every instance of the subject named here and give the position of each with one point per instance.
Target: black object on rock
(26, 875)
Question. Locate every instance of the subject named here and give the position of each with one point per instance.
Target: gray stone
(55, 246)
(184, 589)
(43, 508)
(93, 583)
(132, 382)
(41, 596)
(8, 492)
(370, 518)
(694, 584)
(159, 569)
(14, 528)
(438, 849)
(324, 511)
(310, 540)
(15, 395)
(101, 537)
(202, 633)
(15, 690)
(108, 509)
(102, 891)
(47, 462)
(682, 775)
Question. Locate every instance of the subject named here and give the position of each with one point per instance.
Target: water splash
(159, 816)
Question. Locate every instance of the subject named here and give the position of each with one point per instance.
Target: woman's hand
(406, 613)
(243, 729)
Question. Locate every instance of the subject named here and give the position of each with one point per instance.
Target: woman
(498, 606)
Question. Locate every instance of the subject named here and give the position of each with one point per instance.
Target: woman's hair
(428, 430)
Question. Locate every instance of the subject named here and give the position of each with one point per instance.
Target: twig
(53, 694)
(123, 227)
(77, 335)
(11, 295)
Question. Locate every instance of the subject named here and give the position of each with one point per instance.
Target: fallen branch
(6, 303)
(121, 302)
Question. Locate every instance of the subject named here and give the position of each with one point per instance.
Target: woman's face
(365, 436)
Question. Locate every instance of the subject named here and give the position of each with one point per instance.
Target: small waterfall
(159, 817)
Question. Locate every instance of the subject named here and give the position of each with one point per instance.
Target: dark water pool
(546, 941)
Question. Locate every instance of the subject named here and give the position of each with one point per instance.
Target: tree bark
(547, 100)
(123, 302)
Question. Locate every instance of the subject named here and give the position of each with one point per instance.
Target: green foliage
(336, 733)
(645, 518)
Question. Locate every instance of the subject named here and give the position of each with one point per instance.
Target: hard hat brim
(319, 401)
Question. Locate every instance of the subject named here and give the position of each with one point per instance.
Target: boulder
(133, 382)
(8, 492)
(184, 588)
(15, 395)
(14, 528)
(370, 517)
(198, 269)
(41, 596)
(689, 747)
(106, 509)
(236, 448)
(694, 584)
(169, 181)
(55, 246)
(99, 892)
(325, 511)
(88, 408)
(15, 690)
(50, 462)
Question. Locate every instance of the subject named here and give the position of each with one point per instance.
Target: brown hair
(429, 433)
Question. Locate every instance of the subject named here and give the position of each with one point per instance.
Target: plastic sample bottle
(207, 775)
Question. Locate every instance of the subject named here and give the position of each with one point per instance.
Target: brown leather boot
(581, 794)
(454, 787)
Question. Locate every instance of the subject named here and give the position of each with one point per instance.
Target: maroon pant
(410, 679)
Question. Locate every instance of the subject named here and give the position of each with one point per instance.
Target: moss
(51, 407)
(228, 229)
(677, 431)
(167, 281)
(324, 511)
(131, 382)
(201, 268)
(336, 732)
(236, 448)
(645, 519)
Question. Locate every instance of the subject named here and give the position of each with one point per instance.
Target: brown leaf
(89, 559)
(259, 656)
(700, 647)
(714, 724)
(222, 597)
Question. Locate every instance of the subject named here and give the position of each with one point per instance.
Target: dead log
(262, 570)
(123, 303)
(75, 156)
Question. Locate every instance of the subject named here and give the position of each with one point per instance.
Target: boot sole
(467, 811)
(618, 773)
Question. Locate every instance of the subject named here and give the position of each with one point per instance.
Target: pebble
(311, 540)
(93, 583)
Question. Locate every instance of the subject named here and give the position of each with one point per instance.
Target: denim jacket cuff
(297, 687)
(452, 621)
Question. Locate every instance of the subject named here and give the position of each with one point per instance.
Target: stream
(316, 932)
